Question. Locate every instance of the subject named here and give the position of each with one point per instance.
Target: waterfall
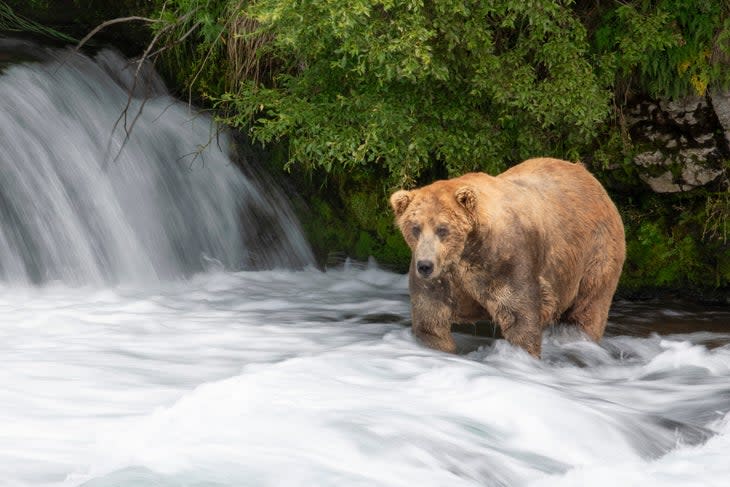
(93, 193)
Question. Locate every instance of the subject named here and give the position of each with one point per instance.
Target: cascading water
(91, 192)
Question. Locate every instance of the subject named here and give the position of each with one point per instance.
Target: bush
(409, 86)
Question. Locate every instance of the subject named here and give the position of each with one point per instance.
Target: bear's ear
(467, 197)
(400, 201)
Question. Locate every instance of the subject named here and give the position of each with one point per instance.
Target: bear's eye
(442, 231)
(416, 231)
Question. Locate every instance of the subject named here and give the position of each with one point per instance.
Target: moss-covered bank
(678, 243)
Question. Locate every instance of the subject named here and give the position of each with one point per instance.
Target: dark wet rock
(684, 142)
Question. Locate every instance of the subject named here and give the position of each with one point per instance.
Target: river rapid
(162, 325)
(314, 378)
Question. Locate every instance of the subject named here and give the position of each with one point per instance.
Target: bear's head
(435, 221)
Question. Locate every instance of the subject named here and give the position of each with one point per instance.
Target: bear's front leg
(526, 336)
(432, 323)
(517, 316)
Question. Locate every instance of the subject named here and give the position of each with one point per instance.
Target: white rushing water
(308, 378)
(90, 193)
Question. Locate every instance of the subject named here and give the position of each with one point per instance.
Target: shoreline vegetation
(351, 100)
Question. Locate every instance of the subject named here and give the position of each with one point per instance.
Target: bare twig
(246, 65)
(177, 41)
(146, 55)
(118, 20)
(130, 96)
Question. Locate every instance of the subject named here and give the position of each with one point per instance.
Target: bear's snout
(424, 267)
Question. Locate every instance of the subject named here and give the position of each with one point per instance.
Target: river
(314, 378)
(152, 335)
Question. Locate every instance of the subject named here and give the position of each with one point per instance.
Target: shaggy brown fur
(538, 243)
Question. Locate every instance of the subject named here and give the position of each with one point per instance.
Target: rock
(684, 141)
(696, 174)
(663, 183)
(721, 104)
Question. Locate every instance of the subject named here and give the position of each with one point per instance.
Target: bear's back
(567, 190)
(544, 171)
(581, 224)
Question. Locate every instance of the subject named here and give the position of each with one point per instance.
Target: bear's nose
(425, 267)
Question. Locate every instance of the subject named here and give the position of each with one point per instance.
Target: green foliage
(11, 21)
(331, 227)
(66, 22)
(675, 47)
(406, 86)
(194, 28)
(678, 245)
(717, 217)
(655, 255)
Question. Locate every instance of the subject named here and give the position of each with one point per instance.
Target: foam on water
(311, 378)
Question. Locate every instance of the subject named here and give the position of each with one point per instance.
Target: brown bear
(538, 243)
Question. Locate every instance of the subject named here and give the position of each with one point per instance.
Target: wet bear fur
(538, 243)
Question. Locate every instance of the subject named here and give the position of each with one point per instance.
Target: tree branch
(112, 22)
